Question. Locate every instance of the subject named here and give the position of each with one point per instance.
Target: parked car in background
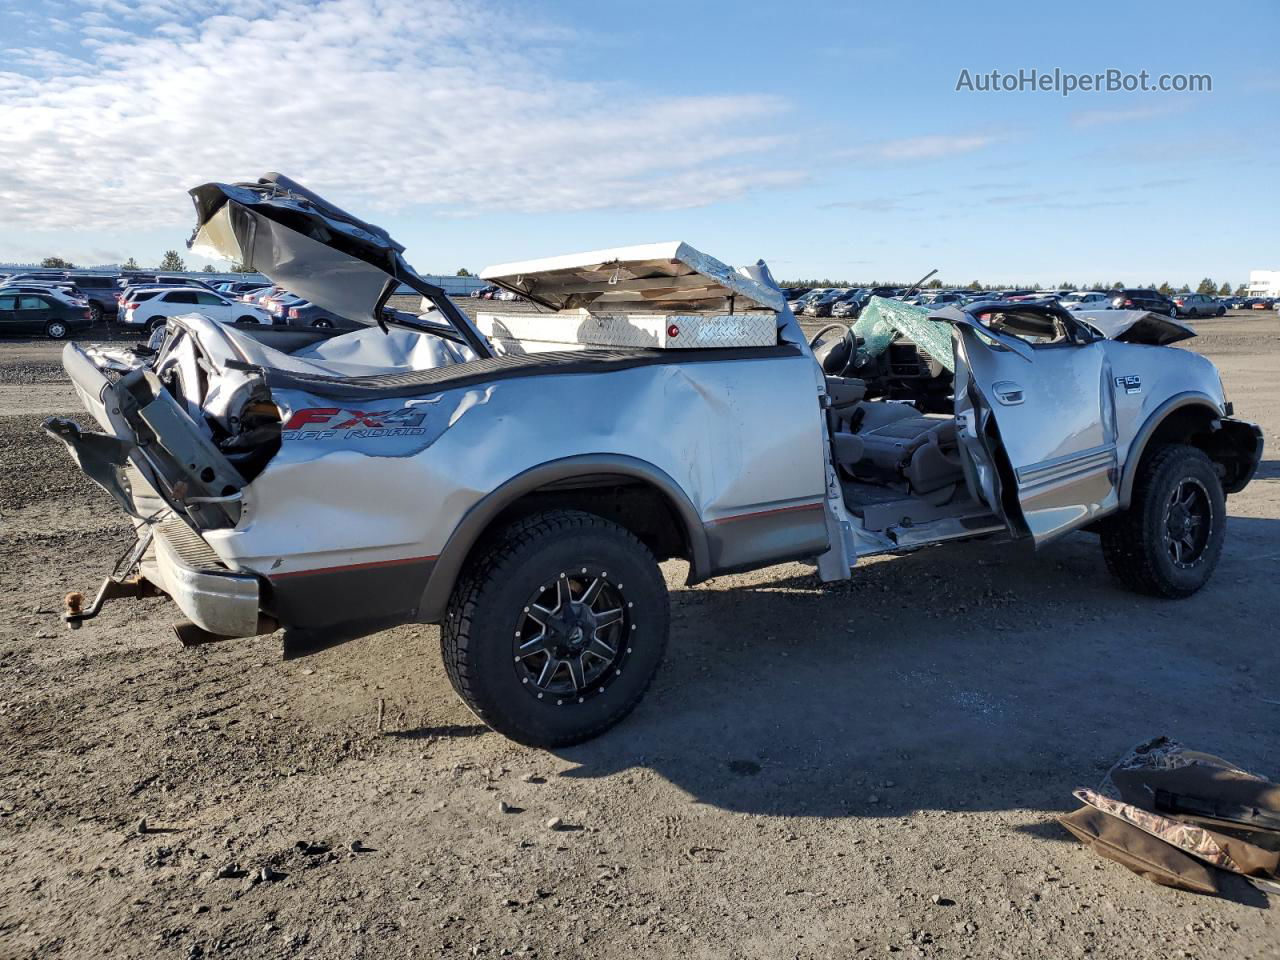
(1263, 303)
(236, 288)
(1087, 300)
(39, 276)
(100, 290)
(944, 299)
(161, 281)
(1136, 298)
(23, 313)
(278, 303)
(820, 306)
(152, 312)
(63, 291)
(304, 313)
(798, 307)
(849, 305)
(1198, 305)
(888, 292)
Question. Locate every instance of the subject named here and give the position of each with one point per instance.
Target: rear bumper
(213, 597)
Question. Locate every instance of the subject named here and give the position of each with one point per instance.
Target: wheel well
(638, 506)
(634, 494)
(1232, 451)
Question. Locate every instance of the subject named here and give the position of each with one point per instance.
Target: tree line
(1207, 285)
(171, 262)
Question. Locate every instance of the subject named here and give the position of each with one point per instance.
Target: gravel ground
(819, 771)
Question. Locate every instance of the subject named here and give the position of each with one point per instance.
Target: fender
(448, 565)
(1150, 425)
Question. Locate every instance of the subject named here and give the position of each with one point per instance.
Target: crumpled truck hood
(301, 242)
(1136, 326)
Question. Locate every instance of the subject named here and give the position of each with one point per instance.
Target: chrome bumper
(213, 597)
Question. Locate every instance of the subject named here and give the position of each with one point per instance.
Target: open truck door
(1019, 369)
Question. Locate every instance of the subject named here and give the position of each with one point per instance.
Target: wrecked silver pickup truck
(518, 478)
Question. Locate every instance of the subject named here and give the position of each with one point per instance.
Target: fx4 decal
(1130, 384)
(319, 423)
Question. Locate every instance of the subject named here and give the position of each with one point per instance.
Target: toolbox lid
(653, 277)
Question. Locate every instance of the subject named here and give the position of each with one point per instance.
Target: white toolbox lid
(653, 277)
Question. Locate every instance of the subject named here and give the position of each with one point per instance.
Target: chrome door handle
(1008, 393)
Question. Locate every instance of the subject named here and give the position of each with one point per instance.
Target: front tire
(556, 630)
(248, 320)
(1168, 542)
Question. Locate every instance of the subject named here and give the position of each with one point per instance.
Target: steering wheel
(836, 356)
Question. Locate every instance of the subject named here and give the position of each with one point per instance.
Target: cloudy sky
(827, 138)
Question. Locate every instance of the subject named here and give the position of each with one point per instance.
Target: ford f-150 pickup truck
(517, 478)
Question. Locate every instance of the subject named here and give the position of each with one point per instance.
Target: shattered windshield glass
(884, 319)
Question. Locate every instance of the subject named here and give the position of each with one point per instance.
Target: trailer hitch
(122, 583)
(111, 589)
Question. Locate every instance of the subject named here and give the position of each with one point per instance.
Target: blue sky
(827, 138)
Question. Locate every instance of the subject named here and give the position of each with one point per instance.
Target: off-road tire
(485, 609)
(55, 330)
(1133, 541)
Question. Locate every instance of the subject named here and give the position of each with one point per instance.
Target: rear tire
(156, 324)
(322, 324)
(1168, 542)
(95, 312)
(246, 319)
(56, 330)
(514, 671)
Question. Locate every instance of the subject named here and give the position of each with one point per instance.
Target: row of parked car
(847, 302)
(57, 304)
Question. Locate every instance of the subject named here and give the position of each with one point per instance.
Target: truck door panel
(1050, 410)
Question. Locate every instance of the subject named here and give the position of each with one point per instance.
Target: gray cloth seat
(921, 450)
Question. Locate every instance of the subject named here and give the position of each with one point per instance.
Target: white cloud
(920, 148)
(1103, 118)
(445, 104)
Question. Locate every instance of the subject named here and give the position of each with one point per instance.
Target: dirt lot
(813, 767)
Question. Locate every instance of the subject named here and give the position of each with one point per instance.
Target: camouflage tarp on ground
(1189, 837)
(881, 319)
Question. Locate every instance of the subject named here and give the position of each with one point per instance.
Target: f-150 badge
(1130, 384)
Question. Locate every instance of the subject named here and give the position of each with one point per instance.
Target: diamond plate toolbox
(665, 331)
